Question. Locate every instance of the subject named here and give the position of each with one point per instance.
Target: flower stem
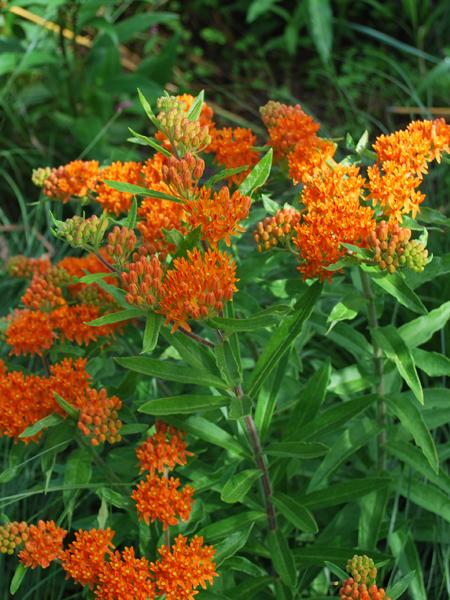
(378, 368)
(196, 337)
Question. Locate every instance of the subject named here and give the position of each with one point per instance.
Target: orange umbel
(22, 266)
(124, 577)
(182, 175)
(197, 287)
(12, 535)
(234, 148)
(74, 179)
(163, 450)
(99, 418)
(43, 545)
(30, 332)
(113, 201)
(183, 568)
(159, 499)
(276, 230)
(143, 281)
(43, 294)
(84, 558)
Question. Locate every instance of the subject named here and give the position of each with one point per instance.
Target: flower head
(197, 287)
(43, 294)
(234, 148)
(22, 266)
(143, 281)
(84, 558)
(74, 179)
(99, 417)
(12, 535)
(155, 217)
(277, 229)
(72, 321)
(112, 200)
(43, 545)
(305, 160)
(183, 568)
(163, 450)
(124, 577)
(30, 332)
(159, 499)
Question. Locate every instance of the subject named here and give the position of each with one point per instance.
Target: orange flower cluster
(43, 545)
(334, 216)
(84, 559)
(12, 535)
(197, 286)
(30, 332)
(218, 214)
(110, 199)
(22, 266)
(99, 419)
(306, 160)
(43, 294)
(184, 567)
(388, 242)
(124, 577)
(181, 175)
(234, 148)
(163, 450)
(74, 179)
(155, 217)
(402, 159)
(354, 591)
(143, 281)
(159, 499)
(276, 230)
(121, 242)
(71, 321)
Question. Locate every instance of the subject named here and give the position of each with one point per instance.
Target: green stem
(378, 368)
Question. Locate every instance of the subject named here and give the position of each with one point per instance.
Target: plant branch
(196, 337)
(378, 367)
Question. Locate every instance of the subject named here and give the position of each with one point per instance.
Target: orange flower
(99, 417)
(234, 148)
(30, 332)
(181, 175)
(197, 287)
(22, 266)
(70, 380)
(125, 577)
(12, 535)
(152, 171)
(288, 126)
(143, 281)
(163, 450)
(354, 591)
(160, 499)
(156, 216)
(305, 160)
(74, 179)
(183, 568)
(43, 294)
(334, 216)
(217, 213)
(72, 321)
(111, 200)
(43, 545)
(84, 558)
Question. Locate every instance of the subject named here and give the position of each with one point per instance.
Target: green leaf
(266, 318)
(169, 371)
(227, 364)
(148, 141)
(128, 28)
(282, 558)
(147, 108)
(321, 20)
(224, 174)
(240, 407)
(346, 310)
(297, 514)
(310, 399)
(428, 497)
(131, 219)
(195, 354)
(397, 589)
(239, 485)
(281, 340)
(340, 573)
(402, 546)
(412, 420)
(349, 442)
(49, 421)
(372, 513)
(196, 107)
(130, 188)
(302, 450)
(420, 330)
(396, 350)
(433, 364)
(93, 278)
(258, 175)
(225, 527)
(17, 579)
(66, 406)
(395, 285)
(151, 333)
(318, 554)
(182, 405)
(259, 7)
(341, 493)
(117, 317)
(231, 545)
(77, 471)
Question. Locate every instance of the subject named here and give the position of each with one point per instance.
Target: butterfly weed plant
(270, 353)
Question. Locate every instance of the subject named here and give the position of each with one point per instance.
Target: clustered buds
(121, 242)
(12, 535)
(362, 584)
(39, 176)
(22, 266)
(276, 230)
(143, 281)
(393, 248)
(182, 175)
(79, 232)
(99, 417)
(184, 134)
(43, 294)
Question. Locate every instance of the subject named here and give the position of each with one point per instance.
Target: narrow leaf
(148, 141)
(117, 317)
(49, 421)
(302, 450)
(395, 285)
(321, 19)
(266, 318)
(196, 107)
(130, 188)
(282, 558)
(151, 332)
(258, 175)
(297, 514)
(238, 486)
(189, 403)
(420, 330)
(17, 579)
(66, 406)
(231, 544)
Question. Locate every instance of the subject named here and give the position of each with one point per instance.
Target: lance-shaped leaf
(258, 175)
(395, 285)
(130, 188)
(196, 107)
(239, 485)
(187, 404)
(297, 514)
(282, 558)
(151, 332)
(117, 317)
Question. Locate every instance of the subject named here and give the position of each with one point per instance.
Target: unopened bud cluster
(393, 248)
(83, 233)
(42, 294)
(415, 256)
(121, 242)
(22, 266)
(363, 569)
(143, 281)
(12, 535)
(39, 176)
(276, 230)
(185, 135)
(182, 175)
(272, 112)
(99, 418)
(360, 591)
